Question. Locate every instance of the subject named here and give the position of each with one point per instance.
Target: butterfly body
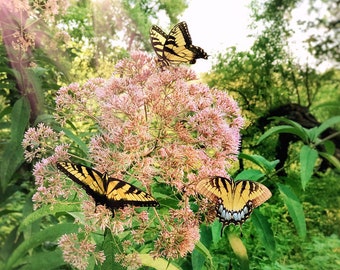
(175, 47)
(235, 201)
(111, 192)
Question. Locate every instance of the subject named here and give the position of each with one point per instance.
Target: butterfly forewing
(89, 179)
(158, 38)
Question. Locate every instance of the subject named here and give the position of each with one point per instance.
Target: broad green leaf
(201, 250)
(111, 245)
(216, 228)
(266, 165)
(77, 140)
(7, 110)
(45, 260)
(331, 159)
(300, 132)
(48, 234)
(158, 263)
(239, 250)
(328, 123)
(295, 209)
(48, 210)
(11, 160)
(249, 175)
(308, 157)
(329, 147)
(19, 119)
(265, 232)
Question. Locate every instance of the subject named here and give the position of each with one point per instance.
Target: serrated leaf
(295, 209)
(308, 157)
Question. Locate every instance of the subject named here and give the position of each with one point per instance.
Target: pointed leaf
(266, 165)
(201, 249)
(308, 157)
(295, 209)
(249, 175)
(111, 245)
(47, 210)
(19, 119)
(328, 123)
(265, 232)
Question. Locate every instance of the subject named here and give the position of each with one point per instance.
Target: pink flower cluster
(159, 127)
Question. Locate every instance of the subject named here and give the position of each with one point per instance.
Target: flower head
(153, 128)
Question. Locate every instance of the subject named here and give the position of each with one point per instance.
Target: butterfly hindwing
(112, 192)
(176, 47)
(235, 201)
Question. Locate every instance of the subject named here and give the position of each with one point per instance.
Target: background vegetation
(291, 138)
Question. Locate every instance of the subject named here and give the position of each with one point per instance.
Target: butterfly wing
(112, 192)
(90, 179)
(234, 201)
(120, 193)
(176, 47)
(158, 38)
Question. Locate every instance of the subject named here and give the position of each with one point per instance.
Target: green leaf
(328, 123)
(265, 232)
(239, 250)
(19, 119)
(298, 131)
(12, 158)
(45, 260)
(295, 209)
(47, 210)
(266, 165)
(78, 141)
(158, 263)
(216, 228)
(250, 174)
(111, 245)
(331, 159)
(329, 147)
(48, 234)
(308, 157)
(198, 260)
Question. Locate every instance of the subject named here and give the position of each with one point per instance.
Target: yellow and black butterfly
(235, 201)
(176, 47)
(111, 192)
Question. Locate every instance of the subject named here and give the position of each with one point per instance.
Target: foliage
(130, 126)
(42, 51)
